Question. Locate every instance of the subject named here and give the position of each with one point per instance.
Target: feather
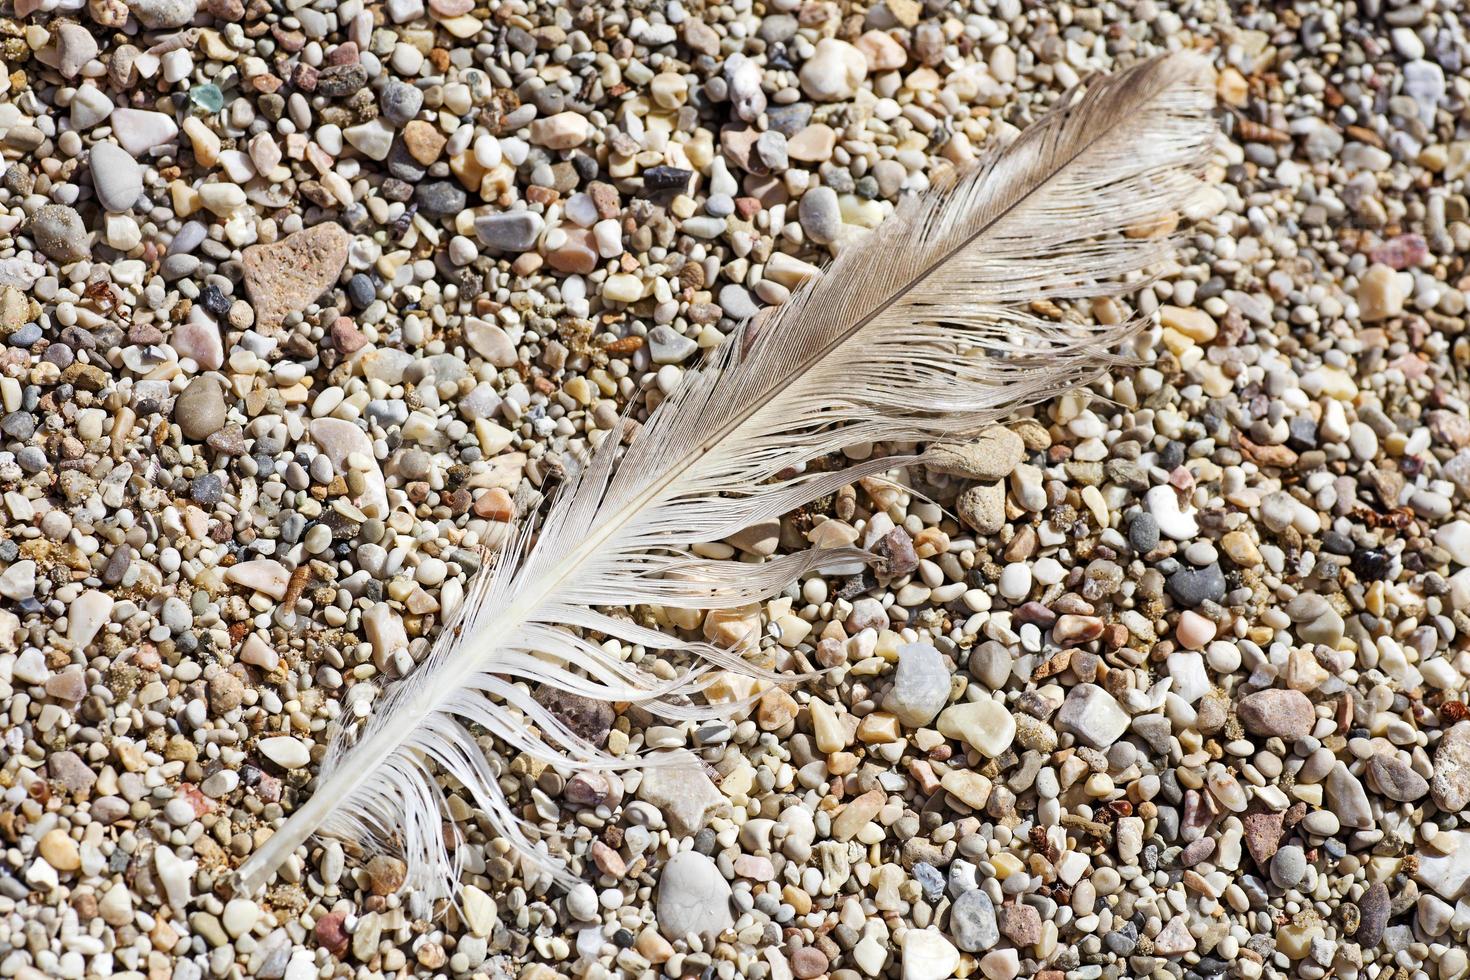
(917, 333)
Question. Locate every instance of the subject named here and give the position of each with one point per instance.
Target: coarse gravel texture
(304, 304)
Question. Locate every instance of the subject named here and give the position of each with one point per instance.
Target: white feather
(918, 333)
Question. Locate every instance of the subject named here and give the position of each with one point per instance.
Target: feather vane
(918, 333)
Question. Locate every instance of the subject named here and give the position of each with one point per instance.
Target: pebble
(1288, 866)
(1093, 716)
(921, 685)
(1191, 587)
(1163, 505)
(116, 177)
(993, 455)
(1276, 712)
(1021, 924)
(59, 232)
(1450, 784)
(1454, 537)
(927, 955)
(985, 724)
(200, 408)
(820, 214)
(972, 922)
(75, 46)
(139, 131)
(511, 231)
(683, 794)
(287, 275)
(1374, 908)
(163, 14)
(693, 897)
(1396, 780)
(286, 752)
(834, 71)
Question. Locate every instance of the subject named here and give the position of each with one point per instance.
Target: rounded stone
(1283, 713)
(200, 409)
(59, 233)
(116, 177)
(820, 215)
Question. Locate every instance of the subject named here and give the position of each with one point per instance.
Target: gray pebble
(59, 233)
(820, 215)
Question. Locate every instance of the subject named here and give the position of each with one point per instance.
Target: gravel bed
(304, 305)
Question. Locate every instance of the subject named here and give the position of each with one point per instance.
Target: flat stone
(1162, 503)
(1373, 909)
(1175, 939)
(140, 130)
(289, 275)
(491, 342)
(510, 231)
(176, 876)
(75, 46)
(985, 724)
(921, 685)
(983, 507)
(813, 144)
(385, 633)
(1021, 924)
(67, 769)
(972, 922)
(86, 615)
(668, 346)
(1192, 586)
(1262, 835)
(1093, 716)
(820, 215)
(587, 718)
(1283, 713)
(60, 851)
(1190, 679)
(677, 785)
(373, 139)
(1380, 294)
(856, 814)
(993, 455)
(90, 107)
(163, 14)
(927, 955)
(198, 339)
(265, 575)
(480, 913)
(693, 897)
(561, 131)
(116, 176)
(1450, 784)
(1454, 537)
(1395, 780)
(834, 72)
(1447, 874)
(1347, 798)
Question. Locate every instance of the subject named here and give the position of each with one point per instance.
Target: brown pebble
(330, 933)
